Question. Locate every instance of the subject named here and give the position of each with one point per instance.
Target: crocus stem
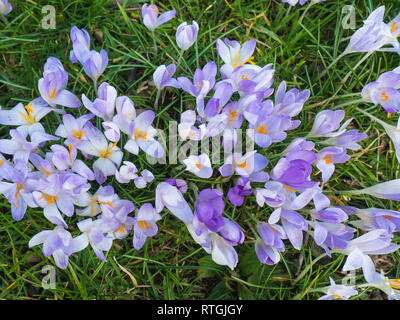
(179, 59)
(157, 98)
(95, 86)
(356, 66)
(348, 103)
(155, 43)
(309, 266)
(383, 123)
(3, 18)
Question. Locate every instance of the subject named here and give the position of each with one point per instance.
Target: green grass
(171, 265)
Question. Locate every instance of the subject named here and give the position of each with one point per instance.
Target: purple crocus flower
(126, 113)
(162, 77)
(290, 103)
(199, 165)
(294, 174)
(27, 117)
(180, 184)
(145, 225)
(186, 35)
(203, 80)
(95, 64)
(73, 130)
(249, 165)
(347, 139)
(375, 218)
(326, 122)
(209, 207)
(268, 247)
(104, 105)
(171, 197)
(234, 55)
(80, 45)
(51, 86)
(237, 193)
(231, 232)
(299, 144)
(332, 235)
(384, 91)
(337, 291)
(93, 234)
(5, 7)
(327, 157)
(57, 242)
(385, 190)
(151, 19)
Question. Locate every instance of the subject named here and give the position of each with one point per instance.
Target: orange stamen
(28, 118)
(107, 153)
(198, 165)
(52, 95)
(384, 97)
(327, 158)
(47, 173)
(140, 134)
(144, 225)
(232, 115)
(289, 188)
(262, 129)
(394, 27)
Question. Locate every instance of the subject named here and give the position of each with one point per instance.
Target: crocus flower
(126, 173)
(95, 64)
(327, 157)
(104, 105)
(385, 190)
(5, 7)
(80, 44)
(57, 242)
(209, 207)
(234, 54)
(384, 91)
(27, 117)
(64, 159)
(237, 193)
(231, 232)
(347, 139)
(326, 123)
(109, 155)
(337, 291)
(268, 246)
(93, 234)
(186, 35)
(52, 85)
(169, 196)
(126, 113)
(222, 252)
(332, 235)
(162, 77)
(142, 181)
(187, 129)
(375, 218)
(199, 165)
(203, 80)
(51, 196)
(290, 103)
(151, 19)
(392, 131)
(141, 135)
(102, 200)
(73, 130)
(180, 184)
(389, 286)
(145, 225)
(249, 165)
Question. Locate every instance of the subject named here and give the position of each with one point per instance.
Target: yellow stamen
(243, 165)
(47, 173)
(199, 86)
(69, 151)
(121, 228)
(107, 153)
(244, 62)
(262, 129)
(92, 206)
(76, 100)
(327, 159)
(50, 199)
(78, 134)
(1, 162)
(19, 187)
(144, 225)
(198, 165)
(384, 96)
(140, 134)
(395, 284)
(337, 296)
(28, 118)
(387, 217)
(154, 9)
(394, 27)
(232, 115)
(244, 77)
(289, 188)
(52, 95)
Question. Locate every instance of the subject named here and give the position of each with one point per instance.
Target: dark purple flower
(237, 193)
(209, 207)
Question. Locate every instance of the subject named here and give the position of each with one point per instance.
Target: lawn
(300, 44)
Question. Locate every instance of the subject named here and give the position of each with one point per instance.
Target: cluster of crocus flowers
(5, 7)
(287, 187)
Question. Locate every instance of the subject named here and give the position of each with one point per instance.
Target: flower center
(262, 129)
(107, 153)
(245, 61)
(144, 225)
(78, 134)
(384, 96)
(140, 134)
(47, 173)
(232, 115)
(50, 199)
(289, 188)
(28, 118)
(328, 159)
(121, 228)
(53, 94)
